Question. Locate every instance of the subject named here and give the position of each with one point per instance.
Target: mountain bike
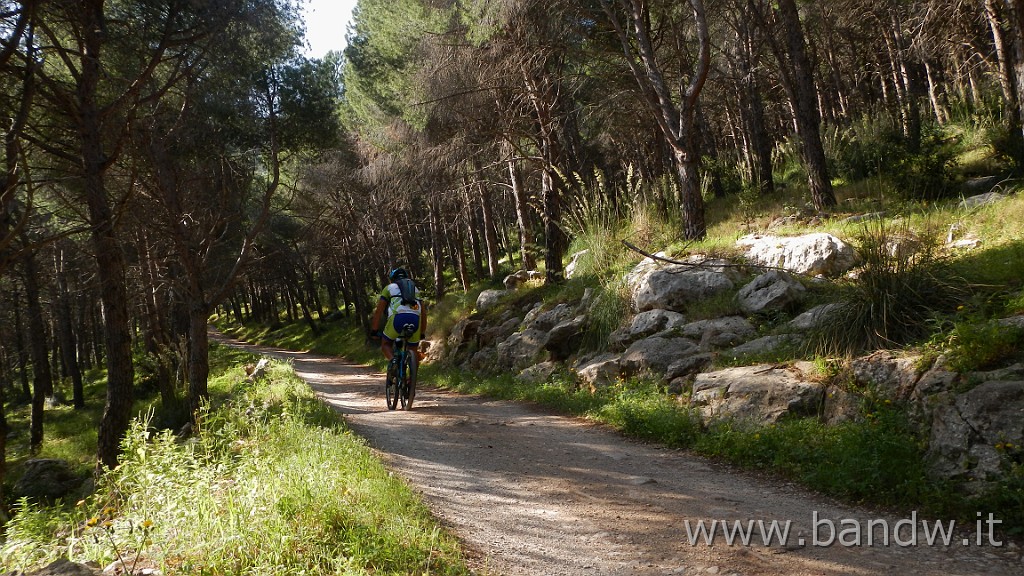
(400, 381)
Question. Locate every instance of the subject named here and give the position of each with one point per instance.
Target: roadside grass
(271, 483)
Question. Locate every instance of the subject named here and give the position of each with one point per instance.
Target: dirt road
(536, 494)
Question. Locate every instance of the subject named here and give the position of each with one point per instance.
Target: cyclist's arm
(382, 305)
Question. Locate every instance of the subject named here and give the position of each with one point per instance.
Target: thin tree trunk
(1007, 81)
(807, 116)
(469, 217)
(459, 252)
(436, 251)
(42, 378)
(1016, 20)
(198, 358)
(490, 234)
(68, 346)
(526, 240)
(19, 341)
(941, 115)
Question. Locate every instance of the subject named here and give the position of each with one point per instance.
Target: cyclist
(401, 301)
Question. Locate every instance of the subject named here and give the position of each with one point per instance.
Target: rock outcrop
(763, 394)
(817, 254)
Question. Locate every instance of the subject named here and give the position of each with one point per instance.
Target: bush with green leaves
(902, 286)
(876, 145)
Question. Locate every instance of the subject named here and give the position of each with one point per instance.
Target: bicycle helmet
(398, 274)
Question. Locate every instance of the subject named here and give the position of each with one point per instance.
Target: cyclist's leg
(387, 347)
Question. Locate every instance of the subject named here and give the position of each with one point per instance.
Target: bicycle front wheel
(391, 385)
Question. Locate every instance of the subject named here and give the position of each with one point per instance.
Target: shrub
(903, 283)
(876, 145)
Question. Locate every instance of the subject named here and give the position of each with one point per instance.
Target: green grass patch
(272, 483)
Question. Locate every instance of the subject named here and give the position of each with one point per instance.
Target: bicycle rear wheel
(391, 383)
(409, 380)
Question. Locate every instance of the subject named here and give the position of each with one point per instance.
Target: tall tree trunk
(938, 108)
(808, 118)
(490, 230)
(673, 104)
(526, 240)
(198, 357)
(458, 251)
(107, 249)
(1016, 21)
(42, 378)
(19, 342)
(158, 339)
(469, 217)
(4, 430)
(65, 330)
(1007, 81)
(436, 252)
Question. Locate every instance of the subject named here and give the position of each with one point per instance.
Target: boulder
(539, 373)
(973, 186)
(772, 291)
(981, 200)
(486, 360)
(817, 254)
(565, 338)
(600, 371)
(673, 287)
(1013, 322)
(762, 345)
(884, 371)
(814, 317)
(47, 479)
(871, 216)
(687, 366)
(488, 299)
(462, 340)
(495, 334)
(840, 405)
(642, 269)
(720, 332)
(655, 355)
(652, 321)
(643, 325)
(935, 381)
(547, 320)
(521, 349)
(973, 436)
(515, 280)
(763, 394)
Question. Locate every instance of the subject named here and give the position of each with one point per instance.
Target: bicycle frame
(400, 380)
